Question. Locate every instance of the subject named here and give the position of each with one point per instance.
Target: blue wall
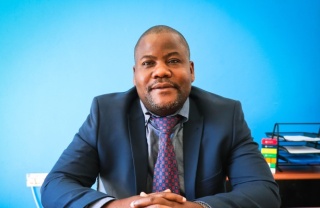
(55, 56)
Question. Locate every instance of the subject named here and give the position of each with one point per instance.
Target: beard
(167, 107)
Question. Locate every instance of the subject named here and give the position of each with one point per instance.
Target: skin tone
(163, 75)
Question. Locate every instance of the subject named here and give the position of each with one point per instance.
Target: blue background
(55, 56)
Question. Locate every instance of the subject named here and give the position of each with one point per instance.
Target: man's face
(162, 72)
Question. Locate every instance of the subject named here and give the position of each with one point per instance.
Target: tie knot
(165, 124)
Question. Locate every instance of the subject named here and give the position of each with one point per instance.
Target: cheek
(185, 79)
(140, 81)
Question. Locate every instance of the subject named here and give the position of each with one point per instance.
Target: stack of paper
(301, 138)
(300, 149)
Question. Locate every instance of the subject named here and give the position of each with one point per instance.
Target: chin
(164, 102)
(164, 109)
(164, 105)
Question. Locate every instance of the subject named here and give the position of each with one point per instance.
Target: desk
(297, 173)
(299, 186)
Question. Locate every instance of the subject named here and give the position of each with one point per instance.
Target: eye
(148, 63)
(174, 61)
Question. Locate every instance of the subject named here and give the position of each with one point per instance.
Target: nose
(161, 70)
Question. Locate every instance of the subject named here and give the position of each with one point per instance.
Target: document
(301, 138)
(300, 149)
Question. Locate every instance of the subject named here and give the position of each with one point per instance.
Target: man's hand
(165, 199)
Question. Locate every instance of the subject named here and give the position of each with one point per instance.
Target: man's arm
(68, 183)
(249, 175)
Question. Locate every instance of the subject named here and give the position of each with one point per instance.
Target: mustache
(162, 81)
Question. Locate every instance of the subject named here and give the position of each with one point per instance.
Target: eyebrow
(171, 54)
(165, 56)
(147, 57)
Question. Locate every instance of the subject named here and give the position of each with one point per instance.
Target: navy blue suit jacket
(112, 143)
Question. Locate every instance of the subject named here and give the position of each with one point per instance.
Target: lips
(162, 85)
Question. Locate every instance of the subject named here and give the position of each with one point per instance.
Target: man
(119, 142)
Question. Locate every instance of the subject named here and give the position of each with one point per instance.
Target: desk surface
(297, 173)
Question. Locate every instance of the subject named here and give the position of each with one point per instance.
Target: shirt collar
(184, 112)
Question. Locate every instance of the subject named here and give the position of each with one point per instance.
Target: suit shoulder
(213, 106)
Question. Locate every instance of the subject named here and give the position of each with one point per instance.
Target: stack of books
(269, 150)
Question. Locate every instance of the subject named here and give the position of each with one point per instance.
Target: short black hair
(159, 29)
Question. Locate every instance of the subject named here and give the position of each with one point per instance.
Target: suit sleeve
(68, 183)
(249, 175)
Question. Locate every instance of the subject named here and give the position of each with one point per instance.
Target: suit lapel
(192, 135)
(139, 147)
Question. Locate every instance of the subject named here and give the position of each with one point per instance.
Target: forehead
(160, 42)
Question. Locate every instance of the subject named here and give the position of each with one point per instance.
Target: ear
(192, 71)
(134, 80)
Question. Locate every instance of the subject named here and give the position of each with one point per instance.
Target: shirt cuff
(203, 204)
(100, 203)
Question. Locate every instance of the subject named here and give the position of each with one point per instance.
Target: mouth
(162, 85)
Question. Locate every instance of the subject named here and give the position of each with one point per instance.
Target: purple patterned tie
(166, 169)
